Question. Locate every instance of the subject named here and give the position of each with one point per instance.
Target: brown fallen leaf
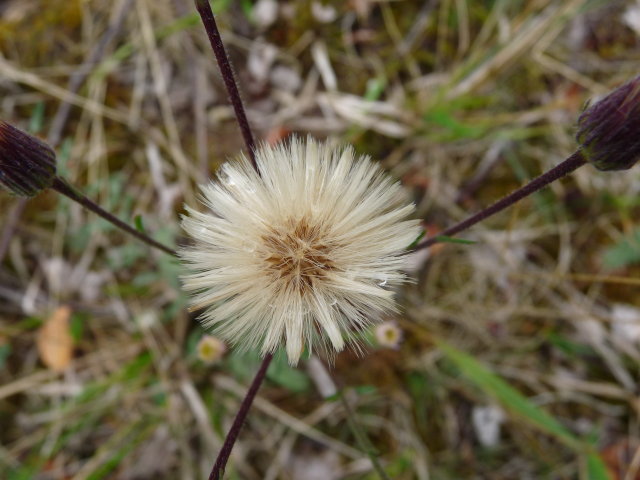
(54, 341)
(622, 458)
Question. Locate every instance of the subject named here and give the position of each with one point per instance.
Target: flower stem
(67, 190)
(361, 438)
(206, 14)
(209, 22)
(572, 163)
(234, 431)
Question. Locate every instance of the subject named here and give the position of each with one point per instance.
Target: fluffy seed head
(27, 165)
(302, 254)
(608, 131)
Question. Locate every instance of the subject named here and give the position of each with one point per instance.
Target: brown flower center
(297, 253)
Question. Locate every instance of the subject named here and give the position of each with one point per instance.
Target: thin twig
(65, 189)
(204, 9)
(567, 166)
(234, 431)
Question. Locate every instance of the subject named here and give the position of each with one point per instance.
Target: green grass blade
(596, 469)
(508, 396)
(519, 405)
(461, 241)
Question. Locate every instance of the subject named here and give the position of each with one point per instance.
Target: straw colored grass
(462, 101)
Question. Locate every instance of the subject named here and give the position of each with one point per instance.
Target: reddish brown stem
(234, 431)
(65, 189)
(206, 14)
(204, 9)
(569, 165)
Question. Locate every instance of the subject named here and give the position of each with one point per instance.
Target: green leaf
(139, 224)
(596, 469)
(335, 397)
(170, 267)
(243, 365)
(23, 473)
(191, 345)
(365, 389)
(625, 252)
(77, 326)
(461, 241)
(247, 8)
(567, 346)
(281, 373)
(375, 87)
(125, 255)
(144, 279)
(450, 128)
(64, 154)
(417, 240)
(37, 118)
(5, 351)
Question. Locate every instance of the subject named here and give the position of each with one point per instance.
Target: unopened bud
(609, 130)
(27, 165)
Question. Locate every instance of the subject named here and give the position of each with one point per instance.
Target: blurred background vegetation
(521, 350)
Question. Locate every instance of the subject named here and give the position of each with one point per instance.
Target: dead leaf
(54, 341)
(621, 459)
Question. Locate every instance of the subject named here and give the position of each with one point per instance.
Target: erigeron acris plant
(289, 288)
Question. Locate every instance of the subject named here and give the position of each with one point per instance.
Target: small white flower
(389, 335)
(303, 254)
(210, 349)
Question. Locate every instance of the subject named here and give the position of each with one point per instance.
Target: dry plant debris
(520, 352)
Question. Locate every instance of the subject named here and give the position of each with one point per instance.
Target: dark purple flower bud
(27, 165)
(609, 130)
